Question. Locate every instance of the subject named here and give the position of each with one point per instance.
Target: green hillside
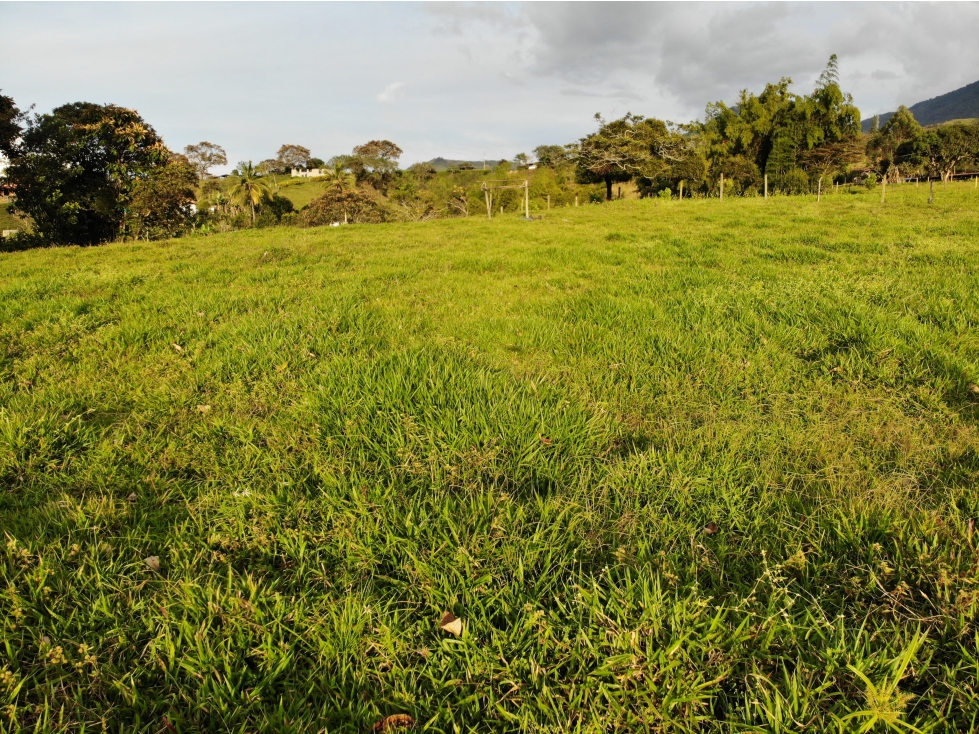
(8, 220)
(961, 104)
(698, 466)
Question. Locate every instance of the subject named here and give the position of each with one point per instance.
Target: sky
(461, 80)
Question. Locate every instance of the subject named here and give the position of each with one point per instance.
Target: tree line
(86, 173)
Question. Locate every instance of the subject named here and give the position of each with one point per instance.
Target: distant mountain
(962, 103)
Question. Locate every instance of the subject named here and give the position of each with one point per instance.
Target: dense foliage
(76, 169)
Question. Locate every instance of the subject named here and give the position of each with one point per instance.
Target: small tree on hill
(293, 157)
(205, 156)
(375, 162)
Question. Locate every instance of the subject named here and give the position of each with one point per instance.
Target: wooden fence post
(576, 200)
(681, 191)
(766, 186)
(819, 189)
(931, 189)
(548, 202)
(883, 188)
(526, 198)
(722, 187)
(489, 204)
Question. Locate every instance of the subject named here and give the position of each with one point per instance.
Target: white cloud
(391, 92)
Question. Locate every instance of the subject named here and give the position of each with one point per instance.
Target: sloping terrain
(958, 105)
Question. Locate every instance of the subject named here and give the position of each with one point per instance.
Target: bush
(796, 181)
(356, 206)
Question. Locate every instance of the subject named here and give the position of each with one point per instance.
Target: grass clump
(676, 466)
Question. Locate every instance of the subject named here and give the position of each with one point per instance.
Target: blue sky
(461, 80)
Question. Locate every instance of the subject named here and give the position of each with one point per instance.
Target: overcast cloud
(462, 80)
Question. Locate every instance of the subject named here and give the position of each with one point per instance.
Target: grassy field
(678, 467)
(299, 191)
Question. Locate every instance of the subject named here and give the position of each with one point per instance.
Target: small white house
(311, 173)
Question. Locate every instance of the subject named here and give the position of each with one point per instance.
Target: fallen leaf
(152, 563)
(974, 388)
(546, 441)
(451, 624)
(395, 721)
(711, 528)
(177, 347)
(200, 313)
(203, 408)
(167, 725)
(132, 497)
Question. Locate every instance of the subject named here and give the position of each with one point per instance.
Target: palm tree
(249, 188)
(338, 177)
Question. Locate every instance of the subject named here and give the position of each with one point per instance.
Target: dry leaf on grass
(395, 721)
(177, 347)
(974, 388)
(711, 528)
(132, 497)
(152, 563)
(451, 624)
(546, 441)
(203, 408)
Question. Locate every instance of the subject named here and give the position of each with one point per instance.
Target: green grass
(300, 191)
(8, 220)
(329, 437)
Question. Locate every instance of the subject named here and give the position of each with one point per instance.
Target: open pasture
(688, 466)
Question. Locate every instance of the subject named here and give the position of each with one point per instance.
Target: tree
(9, 125)
(161, 204)
(339, 177)
(249, 189)
(778, 129)
(893, 145)
(75, 170)
(375, 162)
(270, 166)
(521, 159)
(205, 156)
(293, 156)
(551, 155)
(341, 204)
(941, 149)
(633, 146)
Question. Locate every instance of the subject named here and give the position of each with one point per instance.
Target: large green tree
(631, 147)
(9, 125)
(779, 131)
(939, 150)
(75, 170)
(891, 147)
